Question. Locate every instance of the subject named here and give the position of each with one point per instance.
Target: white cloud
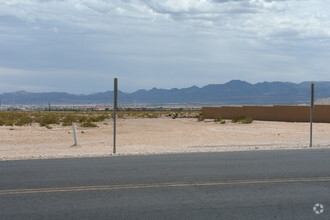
(205, 39)
(262, 17)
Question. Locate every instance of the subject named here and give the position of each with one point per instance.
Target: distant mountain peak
(194, 87)
(234, 92)
(20, 92)
(237, 82)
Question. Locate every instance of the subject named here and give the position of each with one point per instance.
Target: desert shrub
(238, 118)
(153, 115)
(247, 120)
(98, 118)
(92, 119)
(68, 119)
(218, 119)
(15, 118)
(200, 117)
(6, 122)
(242, 119)
(7, 118)
(82, 118)
(137, 115)
(88, 124)
(128, 114)
(47, 119)
(2, 120)
(49, 127)
(23, 120)
(195, 114)
(106, 116)
(143, 115)
(9, 123)
(173, 115)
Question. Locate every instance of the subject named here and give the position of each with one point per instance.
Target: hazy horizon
(151, 88)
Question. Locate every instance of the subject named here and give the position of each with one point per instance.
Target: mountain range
(235, 92)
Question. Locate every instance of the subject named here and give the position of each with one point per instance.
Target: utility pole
(311, 115)
(115, 94)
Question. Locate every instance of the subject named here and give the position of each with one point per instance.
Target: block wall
(321, 113)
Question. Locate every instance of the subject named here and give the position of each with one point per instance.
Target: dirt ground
(157, 136)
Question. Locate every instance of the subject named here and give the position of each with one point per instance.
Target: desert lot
(157, 136)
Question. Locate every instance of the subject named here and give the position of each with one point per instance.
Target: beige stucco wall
(270, 113)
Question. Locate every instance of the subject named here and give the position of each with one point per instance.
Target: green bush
(242, 119)
(247, 120)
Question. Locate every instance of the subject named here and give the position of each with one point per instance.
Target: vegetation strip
(85, 119)
(160, 185)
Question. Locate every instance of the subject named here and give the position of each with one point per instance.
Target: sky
(79, 46)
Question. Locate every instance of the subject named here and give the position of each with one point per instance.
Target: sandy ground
(157, 136)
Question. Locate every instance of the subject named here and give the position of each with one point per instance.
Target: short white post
(75, 135)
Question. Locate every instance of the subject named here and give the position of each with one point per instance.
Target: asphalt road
(233, 185)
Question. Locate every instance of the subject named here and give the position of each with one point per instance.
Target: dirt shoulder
(157, 136)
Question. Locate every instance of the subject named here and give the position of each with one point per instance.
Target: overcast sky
(79, 46)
